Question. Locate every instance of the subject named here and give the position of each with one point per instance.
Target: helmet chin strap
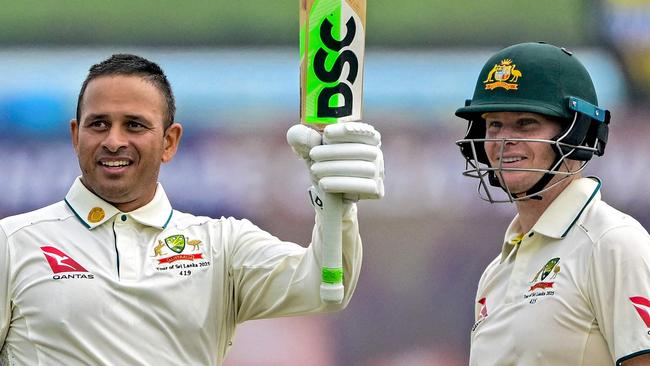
(541, 183)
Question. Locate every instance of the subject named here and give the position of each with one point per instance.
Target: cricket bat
(332, 42)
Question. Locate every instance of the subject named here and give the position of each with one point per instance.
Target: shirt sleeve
(273, 278)
(620, 290)
(5, 299)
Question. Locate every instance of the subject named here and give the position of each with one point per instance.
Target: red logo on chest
(61, 262)
(541, 285)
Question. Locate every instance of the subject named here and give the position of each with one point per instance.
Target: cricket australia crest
(176, 243)
(542, 284)
(187, 255)
(504, 75)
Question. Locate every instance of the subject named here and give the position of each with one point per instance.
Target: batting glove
(346, 159)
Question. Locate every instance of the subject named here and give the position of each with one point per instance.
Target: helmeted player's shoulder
(602, 219)
(619, 244)
(54, 212)
(613, 233)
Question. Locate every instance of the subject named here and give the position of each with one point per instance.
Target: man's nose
(115, 139)
(506, 135)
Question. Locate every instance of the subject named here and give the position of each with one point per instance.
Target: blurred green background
(413, 23)
(622, 26)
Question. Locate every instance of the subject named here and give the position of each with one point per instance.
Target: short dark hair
(127, 64)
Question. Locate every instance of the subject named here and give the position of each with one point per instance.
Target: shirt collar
(93, 211)
(560, 216)
(513, 232)
(566, 209)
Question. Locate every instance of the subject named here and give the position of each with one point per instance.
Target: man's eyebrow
(528, 119)
(94, 116)
(140, 119)
(137, 117)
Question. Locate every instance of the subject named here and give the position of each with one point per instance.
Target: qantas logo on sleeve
(642, 305)
(62, 263)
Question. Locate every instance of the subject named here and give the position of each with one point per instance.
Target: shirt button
(123, 217)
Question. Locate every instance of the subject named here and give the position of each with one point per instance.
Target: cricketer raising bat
(332, 34)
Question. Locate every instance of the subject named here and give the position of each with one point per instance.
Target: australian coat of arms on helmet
(503, 75)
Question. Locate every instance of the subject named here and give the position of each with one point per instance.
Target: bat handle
(331, 287)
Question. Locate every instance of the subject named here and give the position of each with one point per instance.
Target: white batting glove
(347, 158)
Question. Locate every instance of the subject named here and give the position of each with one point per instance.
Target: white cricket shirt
(575, 291)
(84, 284)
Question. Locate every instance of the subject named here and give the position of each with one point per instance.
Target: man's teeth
(511, 160)
(115, 163)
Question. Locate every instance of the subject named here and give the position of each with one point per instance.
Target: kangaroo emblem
(157, 250)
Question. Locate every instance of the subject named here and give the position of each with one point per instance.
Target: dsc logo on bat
(333, 39)
(333, 75)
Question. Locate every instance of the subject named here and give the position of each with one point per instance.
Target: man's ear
(74, 134)
(171, 141)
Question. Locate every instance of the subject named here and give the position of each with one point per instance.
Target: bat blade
(332, 46)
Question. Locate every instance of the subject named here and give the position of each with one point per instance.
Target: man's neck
(531, 210)
(125, 206)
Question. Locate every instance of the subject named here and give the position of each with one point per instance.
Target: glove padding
(346, 159)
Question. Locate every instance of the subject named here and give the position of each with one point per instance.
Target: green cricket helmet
(539, 78)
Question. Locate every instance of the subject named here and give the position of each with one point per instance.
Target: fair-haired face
(120, 139)
(521, 154)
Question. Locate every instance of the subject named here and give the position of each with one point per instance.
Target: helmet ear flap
(602, 133)
(576, 136)
(585, 131)
(475, 131)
